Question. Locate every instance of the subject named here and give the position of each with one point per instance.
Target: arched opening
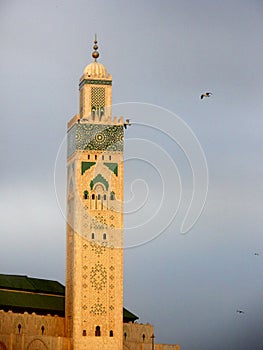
(143, 337)
(112, 196)
(42, 330)
(37, 344)
(97, 331)
(86, 194)
(125, 335)
(104, 236)
(93, 111)
(84, 333)
(19, 328)
(92, 235)
(111, 333)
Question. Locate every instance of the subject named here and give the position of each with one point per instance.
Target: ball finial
(95, 53)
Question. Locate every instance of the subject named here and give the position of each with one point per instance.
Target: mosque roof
(96, 70)
(26, 294)
(22, 293)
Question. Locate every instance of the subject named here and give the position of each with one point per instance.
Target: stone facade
(35, 332)
(32, 332)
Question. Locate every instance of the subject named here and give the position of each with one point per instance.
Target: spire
(95, 53)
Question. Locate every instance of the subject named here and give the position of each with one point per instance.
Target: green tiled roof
(32, 302)
(128, 316)
(22, 293)
(29, 284)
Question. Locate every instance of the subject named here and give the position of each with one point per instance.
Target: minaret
(94, 277)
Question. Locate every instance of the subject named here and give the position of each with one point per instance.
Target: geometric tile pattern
(97, 137)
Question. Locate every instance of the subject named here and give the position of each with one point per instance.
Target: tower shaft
(94, 281)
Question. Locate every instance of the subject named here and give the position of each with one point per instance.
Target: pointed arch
(37, 344)
(101, 179)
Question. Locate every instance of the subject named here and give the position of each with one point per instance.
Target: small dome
(96, 70)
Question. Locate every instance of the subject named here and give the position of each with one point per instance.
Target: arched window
(93, 196)
(143, 337)
(92, 235)
(84, 333)
(125, 335)
(93, 110)
(105, 197)
(97, 331)
(19, 328)
(112, 196)
(111, 333)
(102, 157)
(98, 196)
(42, 330)
(86, 195)
(109, 157)
(104, 236)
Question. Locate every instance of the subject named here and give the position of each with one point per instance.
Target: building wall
(30, 337)
(36, 332)
(167, 347)
(139, 337)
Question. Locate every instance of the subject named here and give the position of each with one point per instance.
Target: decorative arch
(37, 344)
(101, 179)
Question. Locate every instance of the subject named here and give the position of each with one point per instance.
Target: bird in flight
(127, 123)
(256, 254)
(206, 94)
(240, 311)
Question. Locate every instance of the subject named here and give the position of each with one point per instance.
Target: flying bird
(240, 311)
(206, 94)
(127, 123)
(256, 254)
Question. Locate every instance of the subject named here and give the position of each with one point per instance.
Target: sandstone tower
(94, 278)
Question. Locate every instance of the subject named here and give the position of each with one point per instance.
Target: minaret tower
(94, 281)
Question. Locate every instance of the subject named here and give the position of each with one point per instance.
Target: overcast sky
(162, 55)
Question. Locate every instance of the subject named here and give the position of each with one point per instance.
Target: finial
(95, 53)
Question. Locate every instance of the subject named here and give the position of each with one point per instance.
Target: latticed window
(97, 101)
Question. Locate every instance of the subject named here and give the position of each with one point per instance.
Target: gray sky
(165, 53)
